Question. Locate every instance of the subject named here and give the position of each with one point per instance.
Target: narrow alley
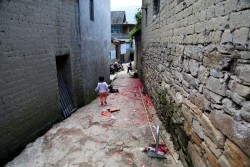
(87, 138)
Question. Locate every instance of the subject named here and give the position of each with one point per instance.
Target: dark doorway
(65, 85)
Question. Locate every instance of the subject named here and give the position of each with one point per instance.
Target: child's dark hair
(101, 78)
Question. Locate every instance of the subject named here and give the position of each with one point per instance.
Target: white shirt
(101, 87)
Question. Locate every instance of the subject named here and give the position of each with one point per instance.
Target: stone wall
(196, 65)
(32, 35)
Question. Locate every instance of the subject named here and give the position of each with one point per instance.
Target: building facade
(48, 49)
(195, 64)
(120, 29)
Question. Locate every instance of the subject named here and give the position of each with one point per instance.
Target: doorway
(65, 85)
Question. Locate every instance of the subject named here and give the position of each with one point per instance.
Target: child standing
(102, 88)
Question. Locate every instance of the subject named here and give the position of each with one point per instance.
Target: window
(156, 7)
(91, 9)
(116, 29)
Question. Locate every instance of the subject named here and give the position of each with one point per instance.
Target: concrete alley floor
(88, 139)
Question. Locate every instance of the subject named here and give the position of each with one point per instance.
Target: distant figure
(102, 88)
(129, 67)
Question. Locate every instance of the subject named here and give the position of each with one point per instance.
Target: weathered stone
(185, 83)
(217, 106)
(211, 158)
(217, 60)
(208, 49)
(240, 36)
(178, 98)
(165, 86)
(235, 156)
(243, 72)
(216, 73)
(238, 19)
(186, 65)
(193, 107)
(215, 86)
(188, 115)
(194, 52)
(212, 132)
(161, 68)
(198, 129)
(216, 151)
(197, 99)
(227, 48)
(191, 80)
(245, 55)
(228, 107)
(240, 89)
(235, 97)
(215, 97)
(227, 36)
(194, 67)
(235, 131)
(195, 157)
(196, 139)
(187, 128)
(178, 75)
(223, 161)
(245, 112)
(203, 74)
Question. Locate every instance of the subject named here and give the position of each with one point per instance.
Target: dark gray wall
(32, 34)
(95, 44)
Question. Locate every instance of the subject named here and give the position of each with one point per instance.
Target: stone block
(236, 157)
(193, 107)
(203, 74)
(212, 132)
(245, 112)
(161, 68)
(221, 23)
(215, 98)
(191, 80)
(195, 157)
(198, 128)
(215, 37)
(240, 36)
(227, 36)
(223, 161)
(211, 158)
(243, 72)
(212, 146)
(243, 4)
(215, 86)
(235, 97)
(240, 89)
(195, 138)
(210, 12)
(188, 115)
(217, 60)
(228, 107)
(231, 6)
(198, 100)
(238, 19)
(194, 52)
(245, 55)
(216, 73)
(194, 67)
(235, 131)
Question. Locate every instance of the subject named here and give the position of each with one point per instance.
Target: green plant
(137, 27)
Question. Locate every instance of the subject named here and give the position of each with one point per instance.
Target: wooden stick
(176, 161)
(147, 115)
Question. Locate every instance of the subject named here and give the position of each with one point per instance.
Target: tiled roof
(118, 17)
